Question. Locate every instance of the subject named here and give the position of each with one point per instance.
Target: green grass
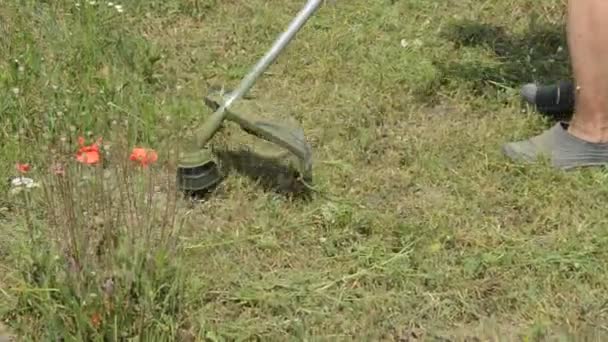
(420, 228)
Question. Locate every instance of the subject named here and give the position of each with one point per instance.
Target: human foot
(553, 100)
(564, 150)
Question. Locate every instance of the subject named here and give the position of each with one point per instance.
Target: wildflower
(22, 168)
(108, 287)
(20, 183)
(143, 156)
(24, 182)
(88, 154)
(96, 320)
(119, 8)
(58, 170)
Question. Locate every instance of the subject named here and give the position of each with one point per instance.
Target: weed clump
(102, 258)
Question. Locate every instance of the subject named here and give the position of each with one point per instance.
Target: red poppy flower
(88, 154)
(143, 156)
(96, 320)
(23, 168)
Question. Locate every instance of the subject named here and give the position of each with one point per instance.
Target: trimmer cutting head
(197, 172)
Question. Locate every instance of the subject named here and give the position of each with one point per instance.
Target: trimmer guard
(287, 135)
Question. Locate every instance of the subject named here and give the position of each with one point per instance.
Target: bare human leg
(583, 141)
(588, 44)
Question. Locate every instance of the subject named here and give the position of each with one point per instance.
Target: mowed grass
(418, 228)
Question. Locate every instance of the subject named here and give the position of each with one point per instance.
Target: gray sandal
(564, 150)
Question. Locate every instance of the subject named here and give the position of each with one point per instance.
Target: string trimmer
(197, 170)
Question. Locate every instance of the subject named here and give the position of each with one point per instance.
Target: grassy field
(419, 229)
